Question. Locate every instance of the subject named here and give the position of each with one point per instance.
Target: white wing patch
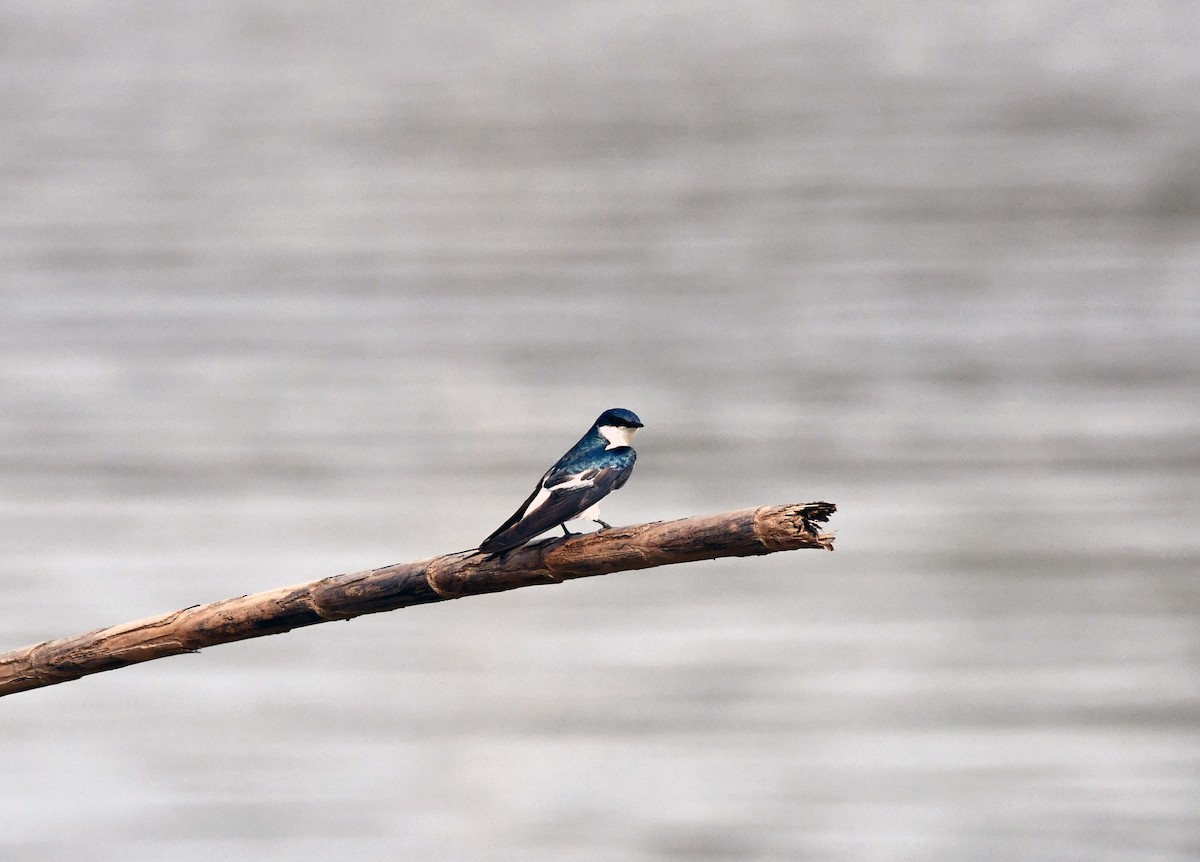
(580, 480)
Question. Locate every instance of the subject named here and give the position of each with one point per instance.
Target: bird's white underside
(589, 514)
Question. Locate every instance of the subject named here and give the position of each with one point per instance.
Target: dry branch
(748, 532)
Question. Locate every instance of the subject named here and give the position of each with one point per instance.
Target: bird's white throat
(617, 435)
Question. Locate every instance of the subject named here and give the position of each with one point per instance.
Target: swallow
(597, 465)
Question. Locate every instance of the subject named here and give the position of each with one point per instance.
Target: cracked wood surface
(746, 532)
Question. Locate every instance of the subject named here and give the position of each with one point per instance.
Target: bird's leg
(604, 525)
(567, 532)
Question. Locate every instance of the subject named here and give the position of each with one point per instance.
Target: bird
(591, 469)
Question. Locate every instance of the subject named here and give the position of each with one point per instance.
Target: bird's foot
(567, 533)
(604, 525)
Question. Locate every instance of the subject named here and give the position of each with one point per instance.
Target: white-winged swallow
(594, 467)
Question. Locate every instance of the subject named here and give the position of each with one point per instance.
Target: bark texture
(747, 532)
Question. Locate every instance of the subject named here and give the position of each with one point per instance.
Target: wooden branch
(748, 532)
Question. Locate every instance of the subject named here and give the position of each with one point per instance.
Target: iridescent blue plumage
(594, 467)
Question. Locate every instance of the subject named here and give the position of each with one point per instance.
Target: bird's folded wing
(551, 505)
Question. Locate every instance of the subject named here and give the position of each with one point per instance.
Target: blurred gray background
(292, 289)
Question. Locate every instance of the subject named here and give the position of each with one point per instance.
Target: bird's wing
(516, 516)
(558, 498)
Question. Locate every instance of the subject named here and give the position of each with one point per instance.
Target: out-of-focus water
(294, 289)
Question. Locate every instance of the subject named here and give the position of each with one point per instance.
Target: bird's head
(618, 426)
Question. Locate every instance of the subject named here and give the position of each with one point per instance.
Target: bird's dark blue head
(618, 417)
(616, 427)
